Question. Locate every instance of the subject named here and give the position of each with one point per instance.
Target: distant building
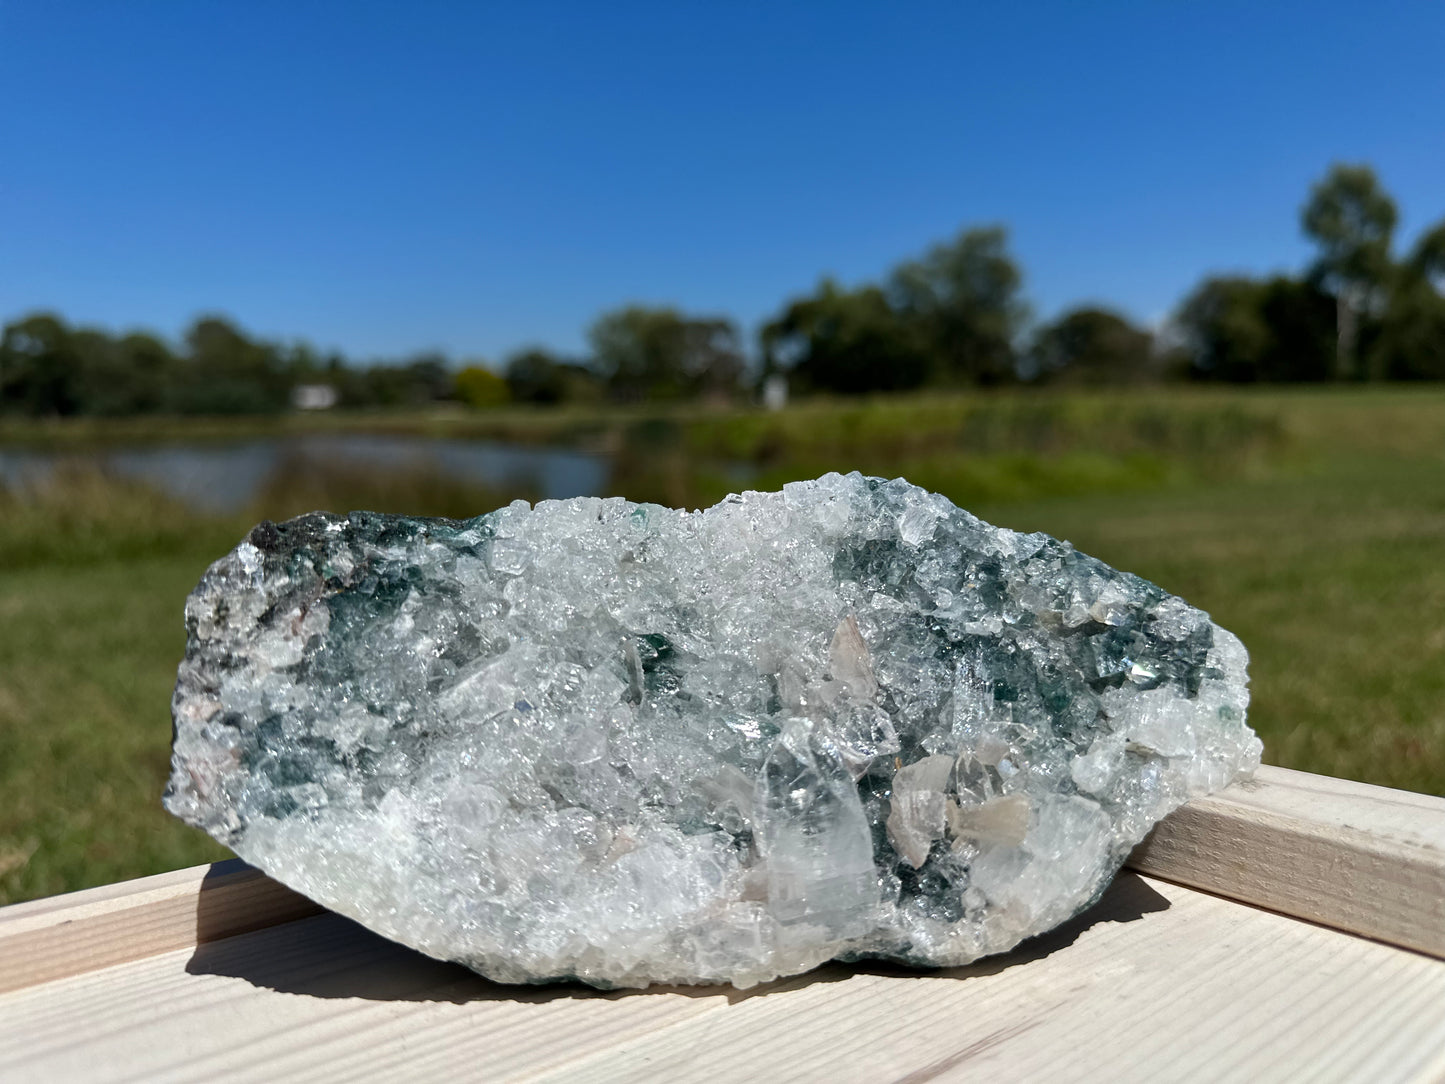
(313, 397)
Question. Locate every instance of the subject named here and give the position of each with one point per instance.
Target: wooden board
(218, 971)
(1360, 858)
(1161, 982)
(84, 931)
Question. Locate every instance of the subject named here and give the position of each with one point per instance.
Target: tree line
(953, 317)
(48, 367)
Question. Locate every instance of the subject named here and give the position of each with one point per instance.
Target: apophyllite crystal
(626, 744)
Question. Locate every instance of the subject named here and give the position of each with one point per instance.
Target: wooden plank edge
(1367, 860)
(1364, 859)
(54, 938)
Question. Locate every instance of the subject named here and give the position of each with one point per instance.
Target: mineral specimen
(631, 745)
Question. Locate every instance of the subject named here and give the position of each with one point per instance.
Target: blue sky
(474, 177)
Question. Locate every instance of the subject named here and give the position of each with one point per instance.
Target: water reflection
(227, 477)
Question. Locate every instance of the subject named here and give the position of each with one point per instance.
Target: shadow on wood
(327, 956)
(1128, 899)
(235, 898)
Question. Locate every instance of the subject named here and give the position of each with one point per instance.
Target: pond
(226, 477)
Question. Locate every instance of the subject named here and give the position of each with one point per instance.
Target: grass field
(1310, 523)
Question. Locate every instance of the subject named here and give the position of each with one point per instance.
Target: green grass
(88, 657)
(1310, 523)
(93, 576)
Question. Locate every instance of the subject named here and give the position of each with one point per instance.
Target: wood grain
(1160, 982)
(100, 927)
(1348, 855)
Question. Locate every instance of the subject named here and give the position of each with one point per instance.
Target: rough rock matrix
(628, 745)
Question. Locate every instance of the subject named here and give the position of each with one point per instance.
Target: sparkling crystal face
(627, 744)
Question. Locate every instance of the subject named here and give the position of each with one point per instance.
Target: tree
(712, 358)
(480, 388)
(658, 353)
(425, 378)
(537, 376)
(962, 299)
(1222, 331)
(102, 384)
(150, 368)
(1352, 220)
(1301, 319)
(1411, 342)
(1243, 330)
(302, 363)
(40, 368)
(1092, 346)
(1427, 259)
(230, 373)
(133, 374)
(845, 341)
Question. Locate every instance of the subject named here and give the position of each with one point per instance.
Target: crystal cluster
(629, 745)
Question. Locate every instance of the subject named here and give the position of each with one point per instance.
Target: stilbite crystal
(630, 745)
